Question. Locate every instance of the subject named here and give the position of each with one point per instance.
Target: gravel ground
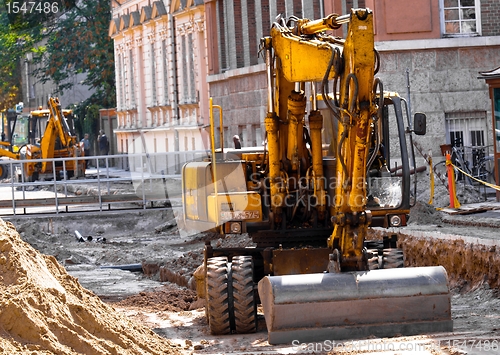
(151, 239)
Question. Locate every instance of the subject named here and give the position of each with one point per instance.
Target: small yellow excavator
(57, 141)
(308, 197)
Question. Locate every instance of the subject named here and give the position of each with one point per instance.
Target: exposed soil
(159, 295)
(45, 310)
(168, 298)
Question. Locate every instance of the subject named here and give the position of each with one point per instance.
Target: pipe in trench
(126, 267)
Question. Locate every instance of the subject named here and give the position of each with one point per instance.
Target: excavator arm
(352, 63)
(56, 132)
(358, 111)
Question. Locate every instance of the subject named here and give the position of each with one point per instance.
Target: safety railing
(111, 182)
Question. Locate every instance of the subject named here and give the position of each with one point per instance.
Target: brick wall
(222, 37)
(490, 17)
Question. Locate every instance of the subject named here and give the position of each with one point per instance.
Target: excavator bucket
(353, 305)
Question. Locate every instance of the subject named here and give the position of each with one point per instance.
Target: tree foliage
(73, 41)
(87, 119)
(14, 44)
(78, 44)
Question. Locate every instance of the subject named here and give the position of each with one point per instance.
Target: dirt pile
(45, 310)
(169, 298)
(423, 213)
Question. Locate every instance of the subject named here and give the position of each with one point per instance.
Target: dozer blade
(353, 305)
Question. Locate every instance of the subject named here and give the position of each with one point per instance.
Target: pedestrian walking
(86, 148)
(103, 143)
(236, 140)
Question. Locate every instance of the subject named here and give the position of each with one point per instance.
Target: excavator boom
(57, 129)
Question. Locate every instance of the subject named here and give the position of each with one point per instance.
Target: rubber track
(217, 296)
(245, 312)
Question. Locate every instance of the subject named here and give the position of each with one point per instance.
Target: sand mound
(44, 310)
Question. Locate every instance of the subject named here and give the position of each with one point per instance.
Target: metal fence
(111, 182)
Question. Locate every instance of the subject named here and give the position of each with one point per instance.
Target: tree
(22, 25)
(70, 41)
(79, 43)
(10, 73)
(87, 118)
(14, 44)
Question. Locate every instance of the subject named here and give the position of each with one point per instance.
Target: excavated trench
(468, 261)
(470, 254)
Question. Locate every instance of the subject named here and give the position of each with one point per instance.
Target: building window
(184, 64)
(192, 87)
(467, 130)
(460, 17)
(125, 83)
(120, 83)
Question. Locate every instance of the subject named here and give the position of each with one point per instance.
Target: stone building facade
(160, 62)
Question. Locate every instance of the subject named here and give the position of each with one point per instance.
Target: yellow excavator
(57, 141)
(309, 197)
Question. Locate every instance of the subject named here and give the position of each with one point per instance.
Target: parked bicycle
(482, 167)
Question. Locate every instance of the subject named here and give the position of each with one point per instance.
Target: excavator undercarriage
(309, 197)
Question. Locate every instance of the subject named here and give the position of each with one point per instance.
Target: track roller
(392, 258)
